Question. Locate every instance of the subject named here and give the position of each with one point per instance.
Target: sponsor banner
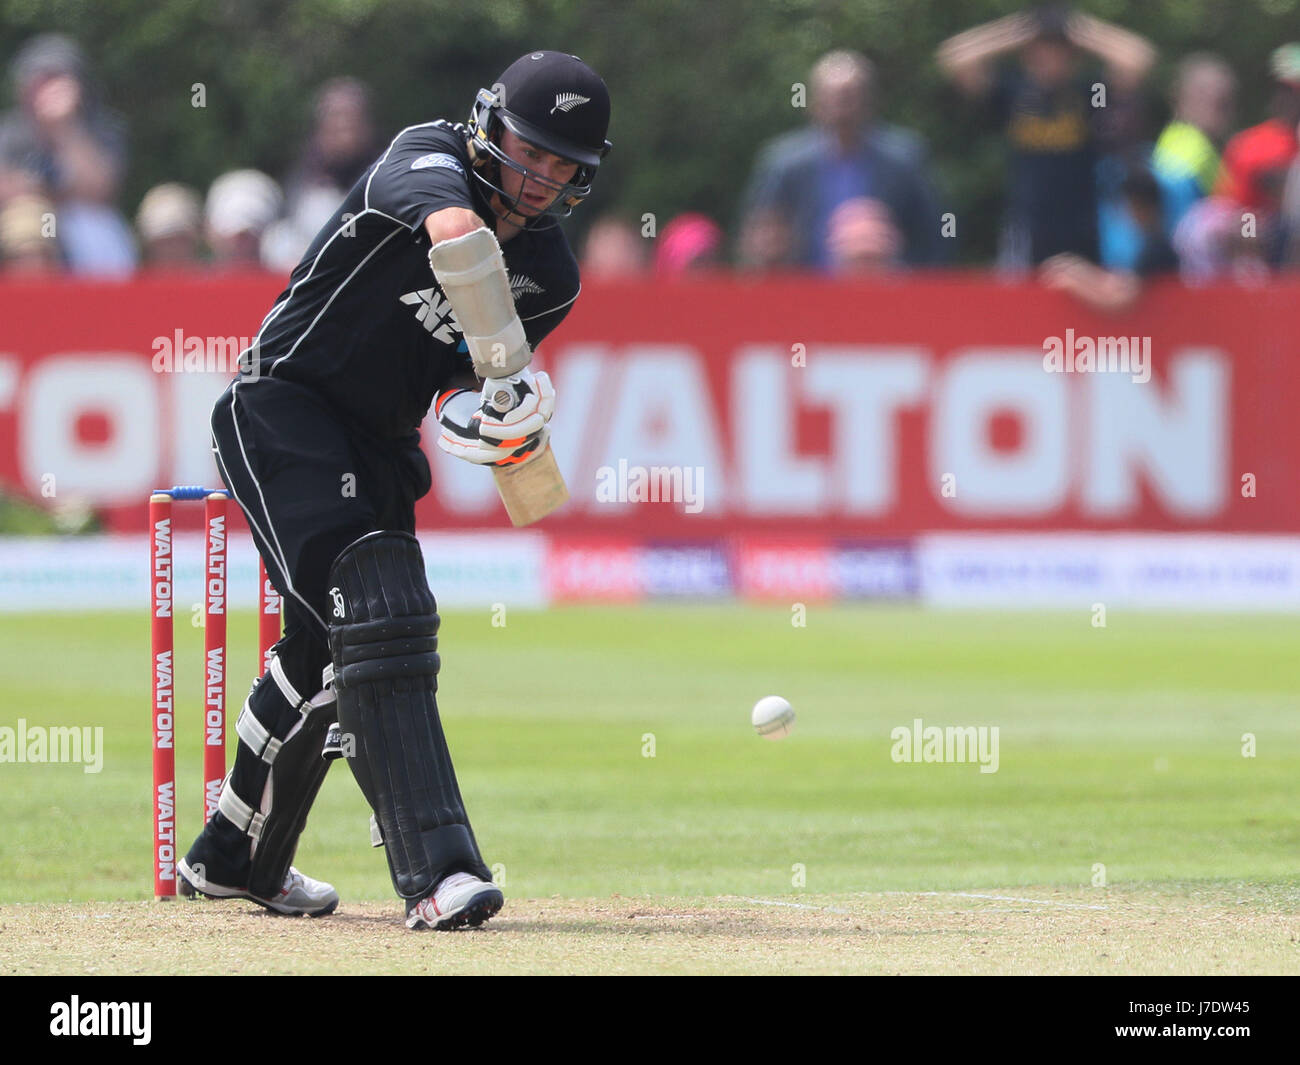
(112, 572)
(106, 389)
(487, 568)
(771, 570)
(694, 571)
(623, 571)
(529, 570)
(785, 571)
(795, 571)
(875, 571)
(590, 571)
(1077, 572)
(790, 407)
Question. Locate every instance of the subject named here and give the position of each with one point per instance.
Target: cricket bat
(532, 489)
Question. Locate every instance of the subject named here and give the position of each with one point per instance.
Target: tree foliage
(697, 87)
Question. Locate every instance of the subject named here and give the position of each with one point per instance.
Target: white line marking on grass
(998, 898)
(668, 916)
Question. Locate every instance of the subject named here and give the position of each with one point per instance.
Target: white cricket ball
(773, 717)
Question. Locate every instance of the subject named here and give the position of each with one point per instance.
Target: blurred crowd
(1095, 198)
(62, 158)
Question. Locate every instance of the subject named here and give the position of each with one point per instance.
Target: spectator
(801, 178)
(614, 250)
(1186, 156)
(1256, 160)
(63, 139)
(1213, 241)
(1291, 218)
(1122, 135)
(1113, 290)
(1286, 65)
(25, 244)
(241, 206)
(18, 182)
(863, 238)
(342, 143)
(1145, 205)
(690, 243)
(1054, 134)
(170, 225)
(339, 150)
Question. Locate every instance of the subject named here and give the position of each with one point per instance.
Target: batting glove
(515, 407)
(457, 412)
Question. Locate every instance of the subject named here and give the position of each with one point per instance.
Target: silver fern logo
(567, 101)
(520, 285)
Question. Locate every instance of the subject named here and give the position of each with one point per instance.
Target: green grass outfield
(1120, 746)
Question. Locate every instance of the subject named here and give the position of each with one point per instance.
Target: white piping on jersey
(383, 158)
(333, 295)
(403, 227)
(560, 306)
(271, 314)
(272, 541)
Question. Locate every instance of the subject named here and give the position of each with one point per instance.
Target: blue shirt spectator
(800, 178)
(1185, 160)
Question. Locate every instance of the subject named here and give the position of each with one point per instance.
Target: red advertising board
(787, 407)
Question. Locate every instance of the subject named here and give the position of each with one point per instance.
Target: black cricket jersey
(363, 320)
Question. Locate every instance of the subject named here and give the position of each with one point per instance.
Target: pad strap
(282, 682)
(239, 813)
(256, 735)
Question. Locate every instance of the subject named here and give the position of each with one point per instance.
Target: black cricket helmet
(555, 102)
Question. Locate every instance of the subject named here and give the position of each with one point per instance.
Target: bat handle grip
(500, 394)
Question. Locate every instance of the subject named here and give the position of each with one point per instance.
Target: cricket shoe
(300, 894)
(459, 900)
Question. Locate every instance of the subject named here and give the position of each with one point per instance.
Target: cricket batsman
(432, 284)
